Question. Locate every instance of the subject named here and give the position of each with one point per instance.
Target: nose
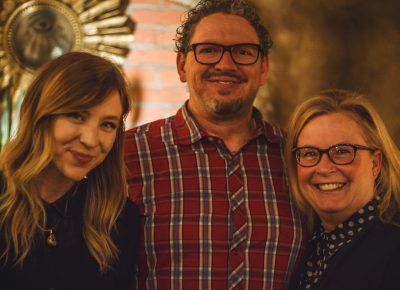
(89, 136)
(325, 165)
(226, 62)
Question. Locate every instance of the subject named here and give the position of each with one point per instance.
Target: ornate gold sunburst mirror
(36, 31)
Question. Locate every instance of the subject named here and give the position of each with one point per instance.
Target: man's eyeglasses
(340, 154)
(211, 53)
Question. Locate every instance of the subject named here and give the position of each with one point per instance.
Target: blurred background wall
(318, 44)
(150, 64)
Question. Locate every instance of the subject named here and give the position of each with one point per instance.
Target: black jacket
(370, 262)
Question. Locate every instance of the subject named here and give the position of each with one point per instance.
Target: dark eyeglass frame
(224, 49)
(355, 147)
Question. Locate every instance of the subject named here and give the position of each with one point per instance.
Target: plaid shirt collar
(188, 131)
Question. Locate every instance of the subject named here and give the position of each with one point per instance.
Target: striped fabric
(239, 227)
(211, 220)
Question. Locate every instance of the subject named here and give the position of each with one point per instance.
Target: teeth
(330, 186)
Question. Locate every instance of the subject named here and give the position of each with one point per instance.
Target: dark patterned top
(326, 245)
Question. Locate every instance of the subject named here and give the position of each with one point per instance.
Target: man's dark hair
(207, 7)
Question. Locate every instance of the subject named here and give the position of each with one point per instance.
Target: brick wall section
(150, 65)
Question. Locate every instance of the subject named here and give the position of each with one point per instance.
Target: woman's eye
(309, 154)
(110, 125)
(75, 115)
(342, 151)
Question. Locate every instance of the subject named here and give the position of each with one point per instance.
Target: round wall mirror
(33, 32)
(39, 31)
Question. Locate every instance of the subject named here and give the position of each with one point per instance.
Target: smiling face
(83, 139)
(337, 191)
(225, 89)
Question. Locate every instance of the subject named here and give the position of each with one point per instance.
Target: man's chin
(226, 109)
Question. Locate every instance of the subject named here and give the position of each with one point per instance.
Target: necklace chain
(51, 239)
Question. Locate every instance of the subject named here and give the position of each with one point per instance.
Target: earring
(85, 177)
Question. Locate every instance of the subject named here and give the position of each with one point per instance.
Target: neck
(235, 132)
(330, 222)
(328, 227)
(52, 188)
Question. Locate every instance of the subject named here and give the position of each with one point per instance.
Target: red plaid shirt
(179, 177)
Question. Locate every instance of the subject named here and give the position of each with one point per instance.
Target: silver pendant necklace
(51, 239)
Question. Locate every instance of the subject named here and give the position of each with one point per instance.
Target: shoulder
(274, 132)
(380, 246)
(127, 226)
(387, 232)
(150, 134)
(390, 277)
(150, 128)
(130, 211)
(370, 262)
(380, 241)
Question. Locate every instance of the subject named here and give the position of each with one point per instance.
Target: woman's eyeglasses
(340, 154)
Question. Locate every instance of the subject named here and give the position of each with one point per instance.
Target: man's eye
(245, 52)
(208, 50)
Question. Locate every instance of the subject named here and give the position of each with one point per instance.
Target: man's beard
(225, 109)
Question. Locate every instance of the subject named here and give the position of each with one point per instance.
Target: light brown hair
(73, 82)
(387, 184)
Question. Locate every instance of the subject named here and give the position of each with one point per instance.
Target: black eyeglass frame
(326, 151)
(224, 49)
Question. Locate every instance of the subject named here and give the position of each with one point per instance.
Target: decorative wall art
(34, 32)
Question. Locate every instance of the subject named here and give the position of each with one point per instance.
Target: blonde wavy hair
(73, 82)
(361, 110)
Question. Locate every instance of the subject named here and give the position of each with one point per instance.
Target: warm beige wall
(320, 44)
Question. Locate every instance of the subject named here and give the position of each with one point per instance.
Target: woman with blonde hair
(65, 221)
(344, 170)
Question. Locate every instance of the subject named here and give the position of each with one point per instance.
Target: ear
(376, 163)
(264, 69)
(180, 66)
